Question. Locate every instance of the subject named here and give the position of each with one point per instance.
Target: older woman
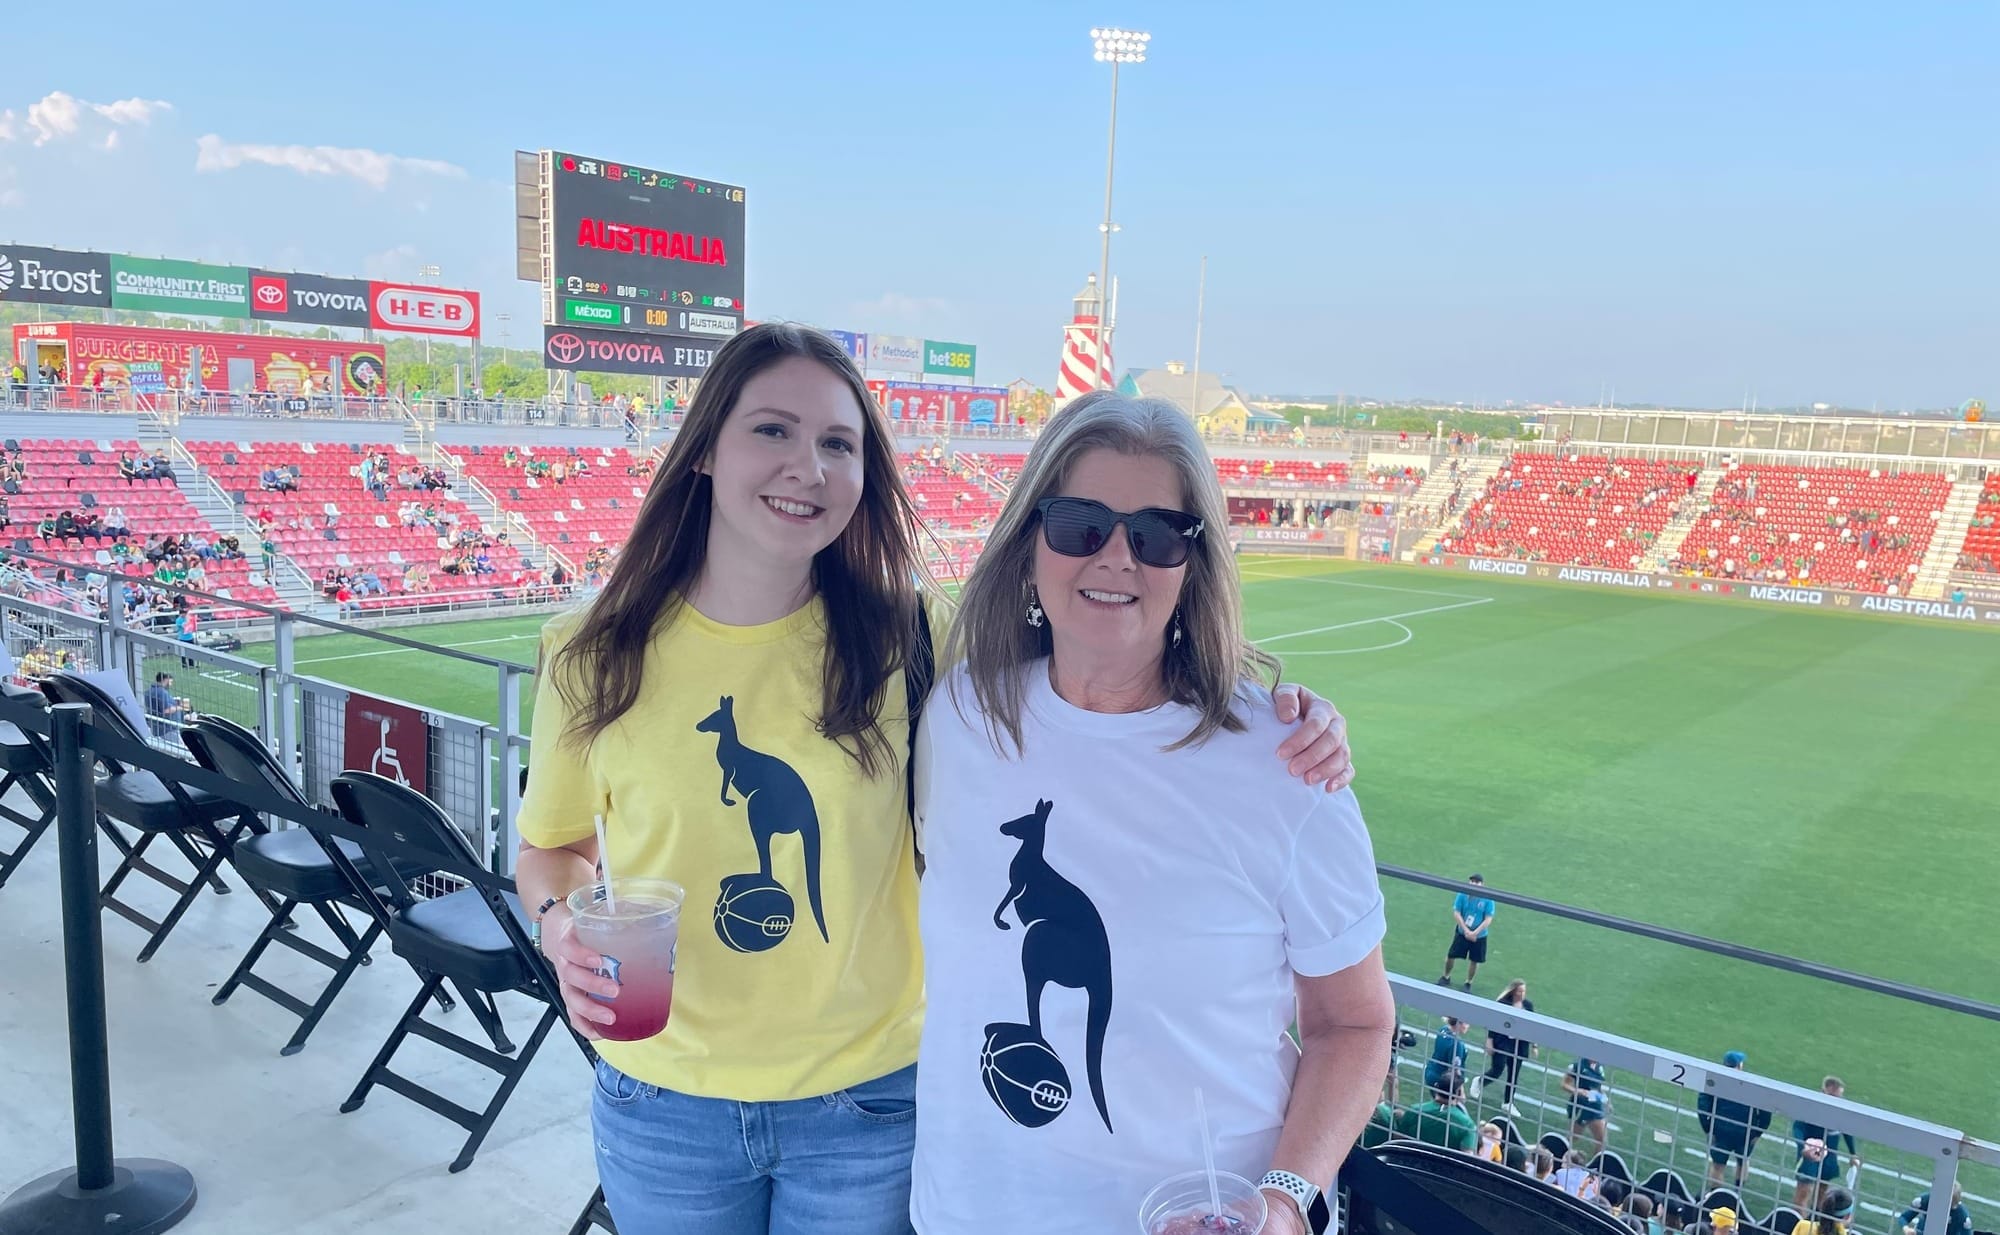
(1125, 899)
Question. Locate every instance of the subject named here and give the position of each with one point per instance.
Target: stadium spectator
(6, 516)
(162, 709)
(128, 467)
(1818, 1149)
(1515, 1157)
(1542, 1164)
(1958, 1222)
(1640, 1207)
(46, 529)
(1829, 1215)
(1471, 917)
(1504, 1055)
(1575, 1177)
(1733, 1128)
(269, 480)
(1491, 1142)
(65, 529)
(411, 477)
(1612, 1195)
(1589, 1101)
(229, 547)
(511, 459)
(1441, 1119)
(115, 522)
(741, 570)
(1447, 1052)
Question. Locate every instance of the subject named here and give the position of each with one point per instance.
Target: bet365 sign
(950, 359)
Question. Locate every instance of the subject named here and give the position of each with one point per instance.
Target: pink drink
(1181, 1206)
(636, 931)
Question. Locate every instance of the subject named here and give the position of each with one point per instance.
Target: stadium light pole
(1113, 46)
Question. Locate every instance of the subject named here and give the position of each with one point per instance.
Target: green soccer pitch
(1817, 784)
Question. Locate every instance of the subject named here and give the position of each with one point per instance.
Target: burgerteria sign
(618, 351)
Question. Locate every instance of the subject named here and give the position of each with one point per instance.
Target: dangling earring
(1177, 626)
(1034, 608)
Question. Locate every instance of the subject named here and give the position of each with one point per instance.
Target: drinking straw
(604, 866)
(1208, 1155)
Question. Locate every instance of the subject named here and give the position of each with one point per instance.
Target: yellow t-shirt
(799, 971)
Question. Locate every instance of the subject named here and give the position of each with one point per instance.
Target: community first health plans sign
(163, 285)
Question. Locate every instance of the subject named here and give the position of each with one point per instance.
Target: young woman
(733, 704)
(1505, 1055)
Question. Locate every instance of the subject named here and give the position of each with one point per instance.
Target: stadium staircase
(481, 501)
(295, 591)
(1475, 472)
(1658, 558)
(1947, 541)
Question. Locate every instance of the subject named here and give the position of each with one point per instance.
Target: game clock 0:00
(659, 317)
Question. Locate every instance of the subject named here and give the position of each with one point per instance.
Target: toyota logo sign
(268, 292)
(565, 348)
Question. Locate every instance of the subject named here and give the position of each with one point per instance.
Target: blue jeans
(838, 1164)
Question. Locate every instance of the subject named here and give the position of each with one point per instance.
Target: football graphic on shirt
(753, 914)
(1023, 1075)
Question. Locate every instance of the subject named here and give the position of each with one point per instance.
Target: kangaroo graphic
(1065, 942)
(775, 798)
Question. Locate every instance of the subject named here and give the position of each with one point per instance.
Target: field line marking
(1373, 587)
(470, 643)
(1387, 617)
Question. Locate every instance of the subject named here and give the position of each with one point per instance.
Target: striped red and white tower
(1082, 347)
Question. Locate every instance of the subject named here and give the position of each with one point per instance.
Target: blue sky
(1688, 203)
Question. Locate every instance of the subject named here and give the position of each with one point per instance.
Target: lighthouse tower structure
(1085, 353)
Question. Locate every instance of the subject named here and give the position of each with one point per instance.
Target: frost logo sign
(32, 275)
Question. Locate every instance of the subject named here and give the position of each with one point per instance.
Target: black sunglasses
(1079, 527)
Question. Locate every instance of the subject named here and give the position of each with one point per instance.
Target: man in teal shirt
(1471, 918)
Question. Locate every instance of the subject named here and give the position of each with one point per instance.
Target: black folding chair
(297, 867)
(1783, 1218)
(1557, 1144)
(1454, 1191)
(153, 807)
(1722, 1198)
(595, 1216)
(26, 762)
(1666, 1185)
(473, 938)
(1611, 1166)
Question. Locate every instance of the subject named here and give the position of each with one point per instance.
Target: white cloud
(370, 167)
(392, 264)
(60, 115)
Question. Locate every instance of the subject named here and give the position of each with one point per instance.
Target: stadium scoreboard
(625, 248)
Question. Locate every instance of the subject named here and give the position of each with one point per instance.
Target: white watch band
(1301, 1192)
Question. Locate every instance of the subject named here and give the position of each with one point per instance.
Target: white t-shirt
(1158, 904)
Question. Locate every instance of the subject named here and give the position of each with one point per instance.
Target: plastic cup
(1180, 1206)
(638, 944)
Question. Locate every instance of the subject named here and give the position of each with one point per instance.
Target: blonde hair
(1213, 661)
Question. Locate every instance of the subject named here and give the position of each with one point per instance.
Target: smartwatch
(1307, 1199)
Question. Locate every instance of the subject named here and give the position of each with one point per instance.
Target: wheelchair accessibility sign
(388, 739)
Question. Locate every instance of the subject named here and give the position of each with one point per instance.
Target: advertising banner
(856, 345)
(618, 351)
(32, 275)
(146, 377)
(1737, 589)
(132, 355)
(388, 739)
(412, 309)
(163, 285)
(931, 401)
(950, 359)
(895, 353)
(309, 299)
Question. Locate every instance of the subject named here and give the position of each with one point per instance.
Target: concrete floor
(205, 1087)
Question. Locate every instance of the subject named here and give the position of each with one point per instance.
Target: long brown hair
(866, 579)
(1206, 670)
